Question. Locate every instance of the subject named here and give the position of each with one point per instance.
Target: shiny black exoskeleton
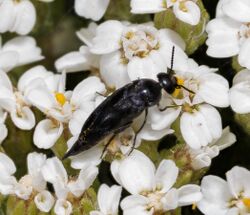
(117, 112)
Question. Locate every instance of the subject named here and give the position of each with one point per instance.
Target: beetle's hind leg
(139, 130)
(100, 94)
(108, 143)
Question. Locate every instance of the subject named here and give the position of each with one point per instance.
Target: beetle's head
(167, 81)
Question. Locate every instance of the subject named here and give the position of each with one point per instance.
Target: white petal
(46, 134)
(87, 34)
(166, 175)
(54, 172)
(142, 68)
(170, 200)
(107, 38)
(42, 98)
(109, 198)
(191, 16)
(133, 201)
(3, 132)
(201, 160)
(63, 207)
(87, 90)
(189, 194)
(24, 120)
(22, 190)
(240, 98)
(88, 157)
(35, 162)
(170, 36)
(219, 8)
(238, 10)
(8, 60)
(113, 71)
(150, 134)
(213, 120)
(146, 6)
(7, 16)
(223, 37)
(160, 120)
(238, 180)
(77, 120)
(5, 81)
(114, 168)
(244, 53)
(136, 173)
(200, 128)
(26, 48)
(25, 17)
(84, 181)
(243, 75)
(44, 201)
(93, 9)
(214, 89)
(7, 184)
(227, 139)
(207, 208)
(215, 191)
(6, 164)
(30, 75)
(73, 62)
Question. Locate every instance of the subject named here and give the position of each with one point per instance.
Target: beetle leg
(170, 106)
(137, 132)
(108, 143)
(113, 136)
(100, 94)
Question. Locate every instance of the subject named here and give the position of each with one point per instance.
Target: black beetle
(117, 112)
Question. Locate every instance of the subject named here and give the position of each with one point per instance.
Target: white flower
(200, 122)
(108, 200)
(34, 180)
(151, 189)
(49, 96)
(14, 100)
(120, 145)
(7, 181)
(228, 33)
(203, 156)
(130, 51)
(17, 16)
(44, 201)
(185, 10)
(240, 92)
(226, 197)
(54, 172)
(93, 9)
(18, 51)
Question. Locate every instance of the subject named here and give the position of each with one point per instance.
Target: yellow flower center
(246, 202)
(60, 97)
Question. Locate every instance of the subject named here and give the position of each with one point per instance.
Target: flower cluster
(114, 54)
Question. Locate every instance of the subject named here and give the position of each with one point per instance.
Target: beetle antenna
(172, 58)
(186, 89)
(170, 70)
